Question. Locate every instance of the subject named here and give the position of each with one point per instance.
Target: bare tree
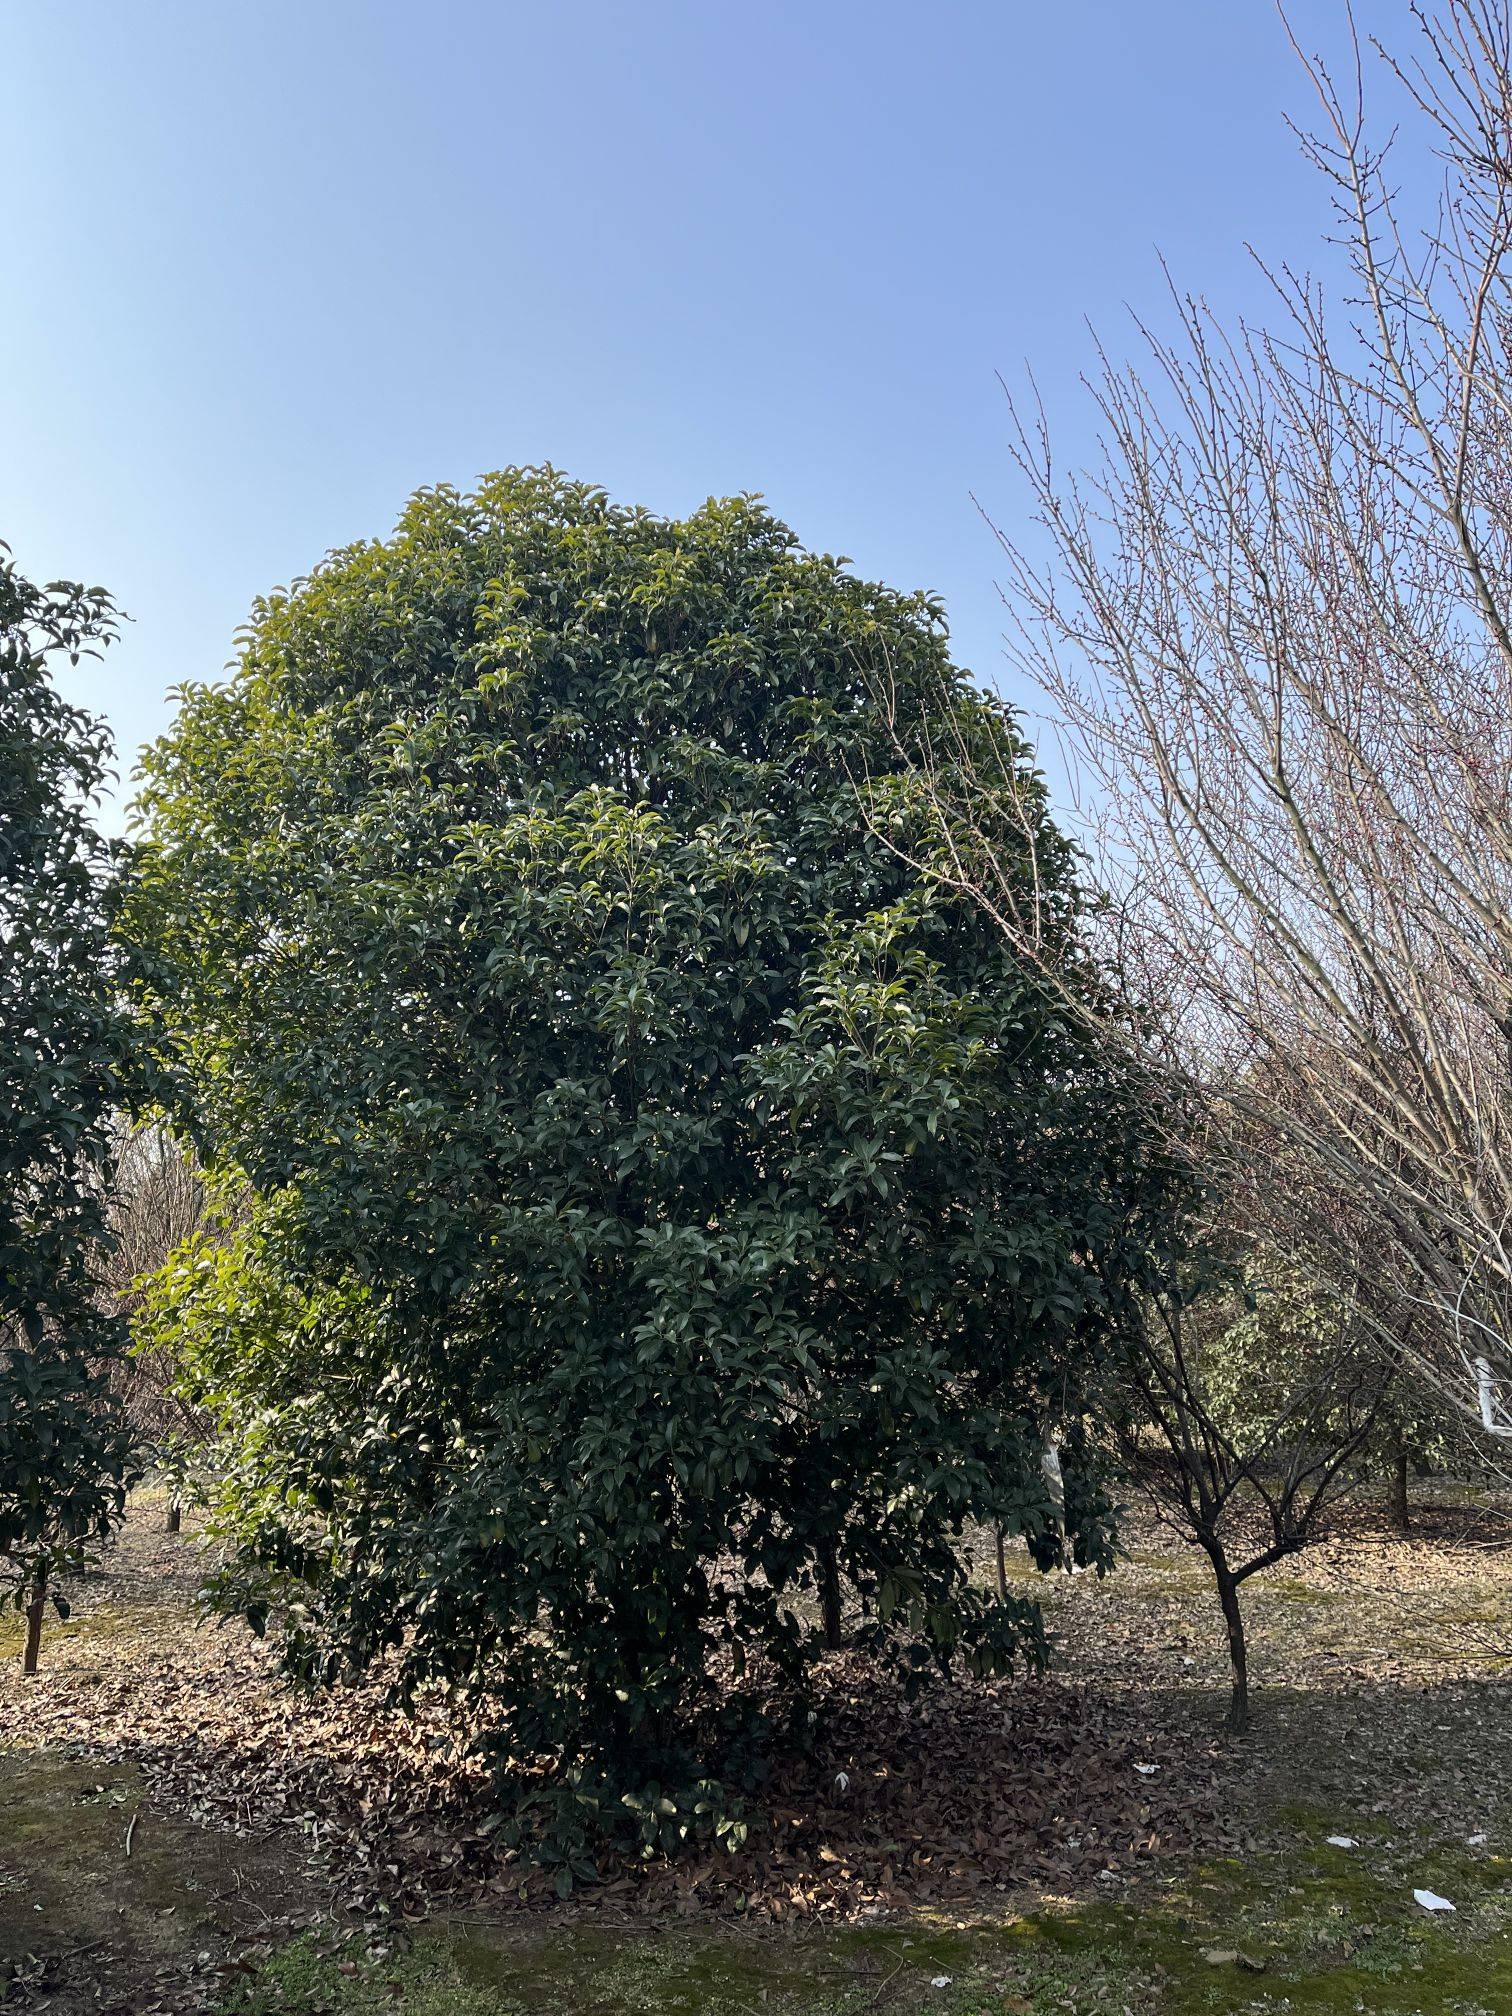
(1248, 1485)
(158, 1201)
(1275, 624)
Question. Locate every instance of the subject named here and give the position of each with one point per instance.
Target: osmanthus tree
(1284, 1340)
(675, 1216)
(64, 1444)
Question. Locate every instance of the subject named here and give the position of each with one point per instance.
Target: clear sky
(268, 267)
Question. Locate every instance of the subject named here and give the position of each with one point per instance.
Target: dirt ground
(178, 1832)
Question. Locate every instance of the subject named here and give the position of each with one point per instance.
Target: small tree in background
(1419, 1432)
(64, 1443)
(1263, 1396)
(1287, 1337)
(675, 1216)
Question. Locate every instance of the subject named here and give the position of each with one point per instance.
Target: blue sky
(271, 267)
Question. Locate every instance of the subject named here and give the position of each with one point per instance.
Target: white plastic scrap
(1431, 1901)
(940, 1981)
(1054, 1476)
(1147, 1770)
(1496, 1418)
(1475, 1840)
(1342, 1841)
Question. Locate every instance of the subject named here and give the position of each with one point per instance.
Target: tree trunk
(1400, 1512)
(1237, 1720)
(34, 1622)
(175, 1516)
(829, 1595)
(1002, 1568)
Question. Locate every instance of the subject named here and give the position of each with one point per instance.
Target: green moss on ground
(1311, 1929)
(311, 1976)
(64, 1872)
(99, 1890)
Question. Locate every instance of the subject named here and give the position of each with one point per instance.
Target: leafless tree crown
(1275, 624)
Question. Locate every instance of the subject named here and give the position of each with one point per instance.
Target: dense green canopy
(63, 1441)
(670, 1204)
